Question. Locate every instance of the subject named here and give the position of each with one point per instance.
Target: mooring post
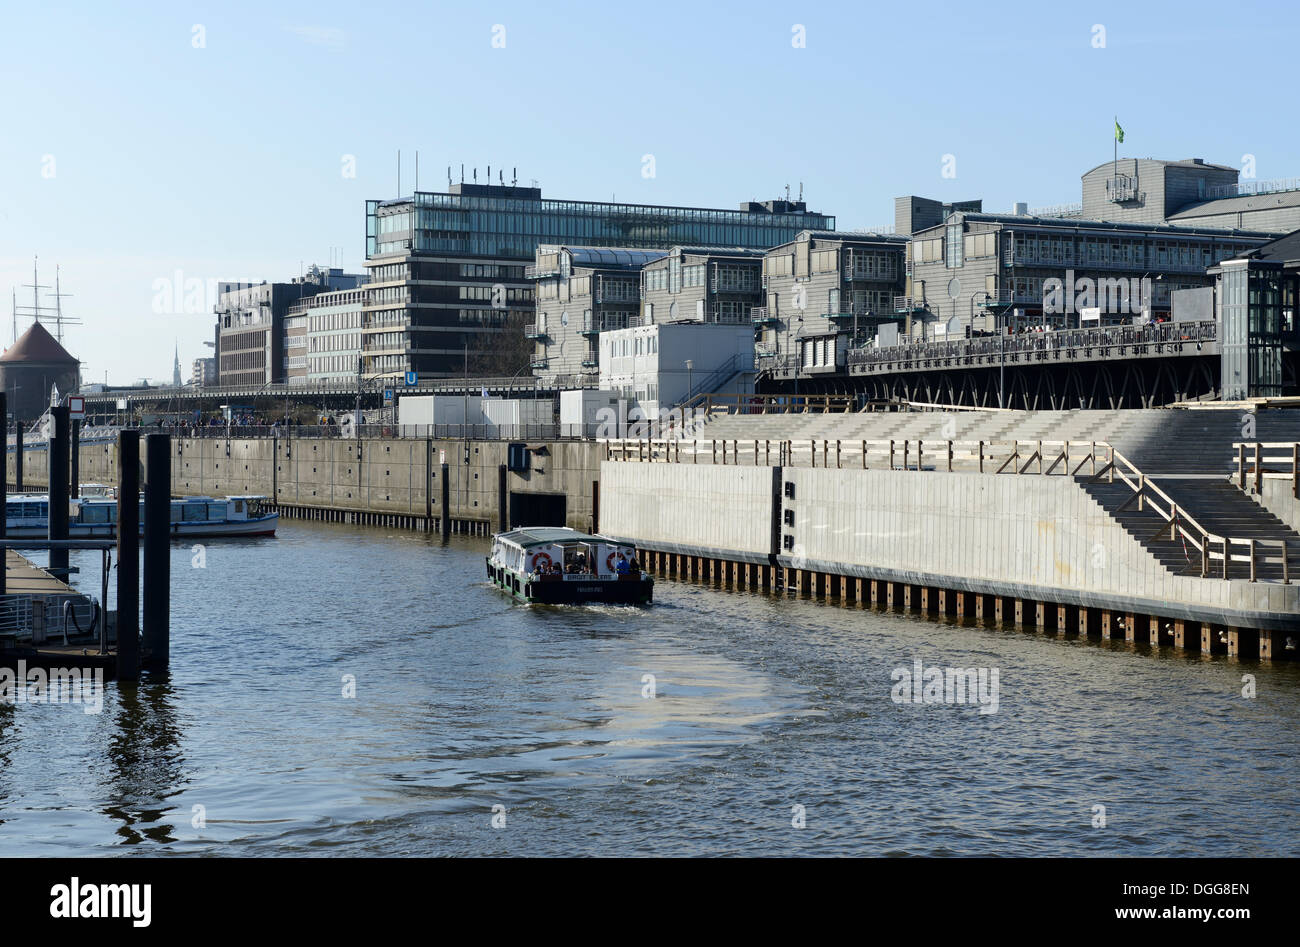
(74, 462)
(157, 551)
(503, 499)
(444, 521)
(18, 455)
(58, 477)
(128, 555)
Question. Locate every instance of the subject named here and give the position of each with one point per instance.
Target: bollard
(157, 551)
(128, 555)
(58, 476)
(503, 499)
(445, 520)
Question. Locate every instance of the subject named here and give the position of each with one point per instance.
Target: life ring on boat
(609, 562)
(538, 562)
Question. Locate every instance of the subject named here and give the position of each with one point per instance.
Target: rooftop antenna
(514, 176)
(462, 172)
(801, 190)
(501, 177)
(449, 177)
(787, 192)
(476, 175)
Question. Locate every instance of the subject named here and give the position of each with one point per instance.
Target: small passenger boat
(553, 565)
(95, 516)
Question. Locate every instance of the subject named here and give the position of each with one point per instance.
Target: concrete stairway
(1216, 505)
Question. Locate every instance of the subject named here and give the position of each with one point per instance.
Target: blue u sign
(388, 394)
(412, 379)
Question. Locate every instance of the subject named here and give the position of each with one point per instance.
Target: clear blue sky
(225, 161)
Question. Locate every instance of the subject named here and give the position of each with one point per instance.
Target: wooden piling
(128, 555)
(157, 552)
(58, 482)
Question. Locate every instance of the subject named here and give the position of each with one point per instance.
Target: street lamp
(690, 367)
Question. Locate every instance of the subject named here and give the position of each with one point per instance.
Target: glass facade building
(425, 253)
(1257, 314)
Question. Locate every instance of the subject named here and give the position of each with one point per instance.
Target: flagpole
(1115, 169)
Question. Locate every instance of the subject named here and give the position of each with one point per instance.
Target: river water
(771, 728)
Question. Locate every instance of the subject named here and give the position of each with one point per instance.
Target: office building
(448, 269)
(979, 270)
(824, 289)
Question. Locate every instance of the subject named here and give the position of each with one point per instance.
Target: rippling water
(465, 701)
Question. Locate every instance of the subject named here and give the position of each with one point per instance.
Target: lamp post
(690, 367)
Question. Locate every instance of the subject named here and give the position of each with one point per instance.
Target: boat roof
(545, 535)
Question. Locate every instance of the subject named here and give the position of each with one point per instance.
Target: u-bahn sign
(412, 379)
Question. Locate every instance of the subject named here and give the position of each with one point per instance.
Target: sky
(151, 149)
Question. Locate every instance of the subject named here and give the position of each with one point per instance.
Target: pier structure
(1197, 547)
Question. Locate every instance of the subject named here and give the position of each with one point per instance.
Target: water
(465, 701)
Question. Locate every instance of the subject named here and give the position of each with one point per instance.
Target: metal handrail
(1019, 457)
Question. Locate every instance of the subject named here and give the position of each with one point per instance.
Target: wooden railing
(1258, 461)
(1096, 459)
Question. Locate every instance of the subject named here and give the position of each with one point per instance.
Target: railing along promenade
(1058, 345)
(1096, 460)
(1258, 461)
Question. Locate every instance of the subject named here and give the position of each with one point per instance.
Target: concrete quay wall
(376, 477)
(1024, 537)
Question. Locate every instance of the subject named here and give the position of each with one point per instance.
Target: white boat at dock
(95, 516)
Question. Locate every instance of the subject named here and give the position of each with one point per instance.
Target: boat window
(194, 512)
(216, 511)
(94, 513)
(239, 506)
(254, 507)
(176, 512)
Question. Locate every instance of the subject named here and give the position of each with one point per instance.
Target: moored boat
(95, 516)
(554, 565)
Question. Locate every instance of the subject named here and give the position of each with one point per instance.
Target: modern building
(203, 374)
(31, 367)
(331, 333)
(250, 326)
(709, 285)
(581, 292)
(825, 287)
(1191, 192)
(252, 338)
(1257, 293)
(979, 270)
(447, 269)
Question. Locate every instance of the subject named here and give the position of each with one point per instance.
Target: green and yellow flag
(1119, 132)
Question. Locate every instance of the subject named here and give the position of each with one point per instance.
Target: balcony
(534, 330)
(910, 304)
(590, 327)
(538, 361)
(590, 363)
(760, 316)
